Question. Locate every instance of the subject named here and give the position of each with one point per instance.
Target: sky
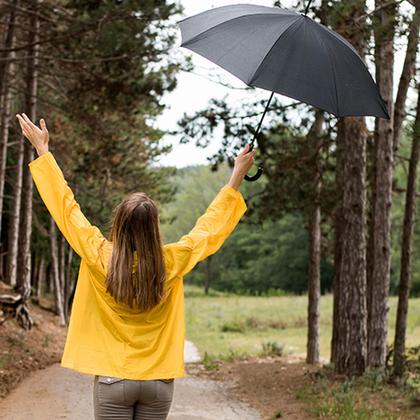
(196, 88)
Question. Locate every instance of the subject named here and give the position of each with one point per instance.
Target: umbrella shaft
(307, 6)
(261, 120)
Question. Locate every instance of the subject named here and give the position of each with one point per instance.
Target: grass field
(227, 326)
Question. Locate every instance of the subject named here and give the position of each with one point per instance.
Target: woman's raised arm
(84, 238)
(210, 231)
(216, 224)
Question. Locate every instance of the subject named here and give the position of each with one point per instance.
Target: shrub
(233, 327)
(272, 348)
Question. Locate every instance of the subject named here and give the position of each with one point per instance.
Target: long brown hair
(136, 240)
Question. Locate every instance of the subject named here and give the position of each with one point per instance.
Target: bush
(272, 348)
(233, 327)
(210, 362)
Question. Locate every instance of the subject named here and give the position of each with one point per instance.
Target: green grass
(338, 404)
(227, 326)
(224, 325)
(370, 396)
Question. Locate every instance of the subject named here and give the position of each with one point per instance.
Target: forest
(333, 214)
(274, 251)
(347, 182)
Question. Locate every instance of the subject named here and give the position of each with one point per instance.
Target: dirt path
(60, 393)
(268, 384)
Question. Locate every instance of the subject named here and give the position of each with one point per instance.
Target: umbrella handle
(259, 171)
(256, 176)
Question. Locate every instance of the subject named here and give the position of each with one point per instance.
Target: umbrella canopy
(288, 53)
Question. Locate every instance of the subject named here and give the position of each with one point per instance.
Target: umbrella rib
(345, 42)
(256, 73)
(327, 49)
(194, 38)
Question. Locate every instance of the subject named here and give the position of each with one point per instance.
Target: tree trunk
(406, 247)
(48, 282)
(40, 278)
(6, 71)
(314, 269)
(9, 36)
(34, 274)
(24, 255)
(338, 244)
(55, 273)
(62, 267)
(406, 75)
(312, 355)
(14, 218)
(351, 347)
(384, 162)
(207, 276)
(68, 283)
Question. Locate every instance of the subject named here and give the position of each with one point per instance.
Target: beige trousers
(127, 399)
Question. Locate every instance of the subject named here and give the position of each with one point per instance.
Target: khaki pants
(127, 399)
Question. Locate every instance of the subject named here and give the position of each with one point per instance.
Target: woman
(127, 320)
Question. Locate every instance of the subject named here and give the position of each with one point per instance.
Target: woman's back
(107, 338)
(104, 336)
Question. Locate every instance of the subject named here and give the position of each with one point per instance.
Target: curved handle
(256, 176)
(259, 171)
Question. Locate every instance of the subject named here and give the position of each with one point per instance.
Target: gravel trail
(60, 393)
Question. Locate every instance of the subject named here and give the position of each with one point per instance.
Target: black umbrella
(288, 53)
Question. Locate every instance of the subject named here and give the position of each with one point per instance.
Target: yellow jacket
(109, 338)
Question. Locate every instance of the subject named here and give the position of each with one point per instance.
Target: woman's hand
(243, 163)
(38, 137)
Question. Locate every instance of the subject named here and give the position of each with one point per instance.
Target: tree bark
(351, 347)
(68, 283)
(338, 242)
(62, 267)
(24, 255)
(384, 163)
(40, 278)
(406, 248)
(406, 75)
(207, 276)
(14, 219)
(34, 274)
(8, 45)
(314, 268)
(6, 71)
(55, 273)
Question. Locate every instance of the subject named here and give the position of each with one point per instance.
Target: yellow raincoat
(109, 338)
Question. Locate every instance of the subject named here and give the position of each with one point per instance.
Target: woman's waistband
(112, 379)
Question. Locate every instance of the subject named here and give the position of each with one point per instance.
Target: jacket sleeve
(85, 239)
(209, 232)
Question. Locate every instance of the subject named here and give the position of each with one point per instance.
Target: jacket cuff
(232, 192)
(46, 156)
